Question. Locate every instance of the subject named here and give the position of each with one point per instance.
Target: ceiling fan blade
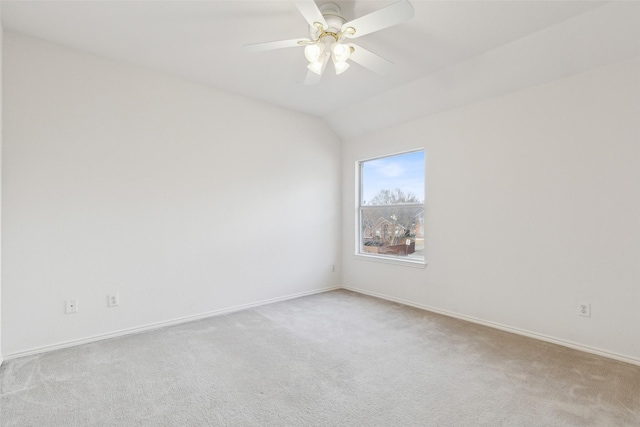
(380, 19)
(259, 47)
(311, 13)
(370, 60)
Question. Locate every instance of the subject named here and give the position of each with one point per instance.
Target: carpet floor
(332, 359)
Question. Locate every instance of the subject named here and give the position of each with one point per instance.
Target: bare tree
(392, 197)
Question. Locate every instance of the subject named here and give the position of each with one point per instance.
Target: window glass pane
(393, 179)
(391, 208)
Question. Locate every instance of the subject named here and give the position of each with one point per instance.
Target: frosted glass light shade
(313, 51)
(340, 67)
(316, 67)
(340, 52)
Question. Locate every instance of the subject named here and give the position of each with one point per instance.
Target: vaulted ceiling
(450, 54)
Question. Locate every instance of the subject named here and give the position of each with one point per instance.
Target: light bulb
(313, 51)
(340, 67)
(340, 52)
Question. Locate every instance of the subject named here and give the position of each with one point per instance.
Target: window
(391, 207)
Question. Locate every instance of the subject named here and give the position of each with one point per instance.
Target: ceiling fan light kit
(328, 38)
(329, 34)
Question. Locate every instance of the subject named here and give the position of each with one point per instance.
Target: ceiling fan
(330, 36)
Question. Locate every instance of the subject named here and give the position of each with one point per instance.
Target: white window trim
(389, 260)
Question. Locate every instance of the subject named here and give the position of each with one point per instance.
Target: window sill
(389, 260)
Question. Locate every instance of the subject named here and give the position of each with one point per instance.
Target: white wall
(533, 204)
(1, 54)
(182, 198)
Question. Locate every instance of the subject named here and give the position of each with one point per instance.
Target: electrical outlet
(584, 309)
(71, 306)
(113, 300)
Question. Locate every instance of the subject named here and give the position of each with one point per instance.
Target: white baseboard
(148, 327)
(541, 337)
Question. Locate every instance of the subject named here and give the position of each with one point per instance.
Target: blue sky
(404, 171)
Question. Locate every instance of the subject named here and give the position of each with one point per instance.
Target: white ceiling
(202, 41)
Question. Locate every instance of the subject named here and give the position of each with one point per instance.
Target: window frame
(360, 254)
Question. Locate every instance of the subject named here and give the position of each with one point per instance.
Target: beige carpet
(333, 359)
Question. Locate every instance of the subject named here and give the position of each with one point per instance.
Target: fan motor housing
(332, 15)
